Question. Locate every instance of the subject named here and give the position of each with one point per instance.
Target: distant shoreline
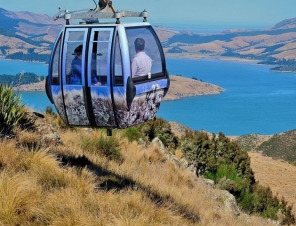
(180, 87)
(201, 57)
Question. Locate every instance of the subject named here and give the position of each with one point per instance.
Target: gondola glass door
(73, 74)
(99, 79)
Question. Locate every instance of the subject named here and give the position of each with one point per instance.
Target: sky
(237, 13)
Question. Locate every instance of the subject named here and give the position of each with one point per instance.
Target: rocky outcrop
(47, 135)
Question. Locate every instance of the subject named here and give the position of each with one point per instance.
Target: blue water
(13, 67)
(208, 28)
(255, 101)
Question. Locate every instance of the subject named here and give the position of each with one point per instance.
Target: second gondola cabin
(107, 93)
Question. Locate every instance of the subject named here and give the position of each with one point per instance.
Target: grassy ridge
(77, 182)
(281, 146)
(71, 184)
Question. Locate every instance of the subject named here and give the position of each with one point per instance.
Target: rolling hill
(25, 32)
(28, 33)
(275, 45)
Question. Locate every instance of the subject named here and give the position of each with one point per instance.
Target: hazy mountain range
(27, 33)
(277, 43)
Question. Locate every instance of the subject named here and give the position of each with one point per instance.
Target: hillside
(29, 33)
(280, 146)
(279, 175)
(274, 46)
(273, 160)
(53, 175)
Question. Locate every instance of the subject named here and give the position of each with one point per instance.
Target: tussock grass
(101, 144)
(9, 157)
(75, 183)
(20, 199)
(29, 140)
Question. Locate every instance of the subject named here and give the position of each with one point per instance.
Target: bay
(255, 101)
(13, 67)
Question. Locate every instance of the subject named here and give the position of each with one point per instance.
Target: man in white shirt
(142, 63)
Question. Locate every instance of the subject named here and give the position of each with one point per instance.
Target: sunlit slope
(279, 175)
(51, 175)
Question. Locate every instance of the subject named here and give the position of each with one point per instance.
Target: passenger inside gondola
(141, 63)
(76, 69)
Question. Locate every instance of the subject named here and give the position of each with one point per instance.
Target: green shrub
(158, 128)
(260, 200)
(107, 146)
(11, 110)
(132, 134)
(219, 159)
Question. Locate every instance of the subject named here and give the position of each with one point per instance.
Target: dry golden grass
(143, 188)
(179, 154)
(280, 176)
(252, 51)
(288, 46)
(289, 54)
(212, 46)
(20, 198)
(282, 38)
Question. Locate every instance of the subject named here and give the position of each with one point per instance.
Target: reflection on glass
(55, 64)
(118, 65)
(99, 57)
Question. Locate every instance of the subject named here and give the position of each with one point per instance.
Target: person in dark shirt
(76, 66)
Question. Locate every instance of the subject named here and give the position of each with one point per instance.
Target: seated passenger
(141, 63)
(76, 69)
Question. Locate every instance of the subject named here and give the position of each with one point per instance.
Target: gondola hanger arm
(99, 13)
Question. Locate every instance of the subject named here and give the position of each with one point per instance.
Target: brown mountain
(285, 24)
(272, 44)
(26, 32)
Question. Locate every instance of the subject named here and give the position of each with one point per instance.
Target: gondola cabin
(93, 80)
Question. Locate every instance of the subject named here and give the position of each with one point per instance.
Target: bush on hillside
(12, 112)
(132, 134)
(223, 161)
(101, 144)
(158, 128)
(207, 153)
